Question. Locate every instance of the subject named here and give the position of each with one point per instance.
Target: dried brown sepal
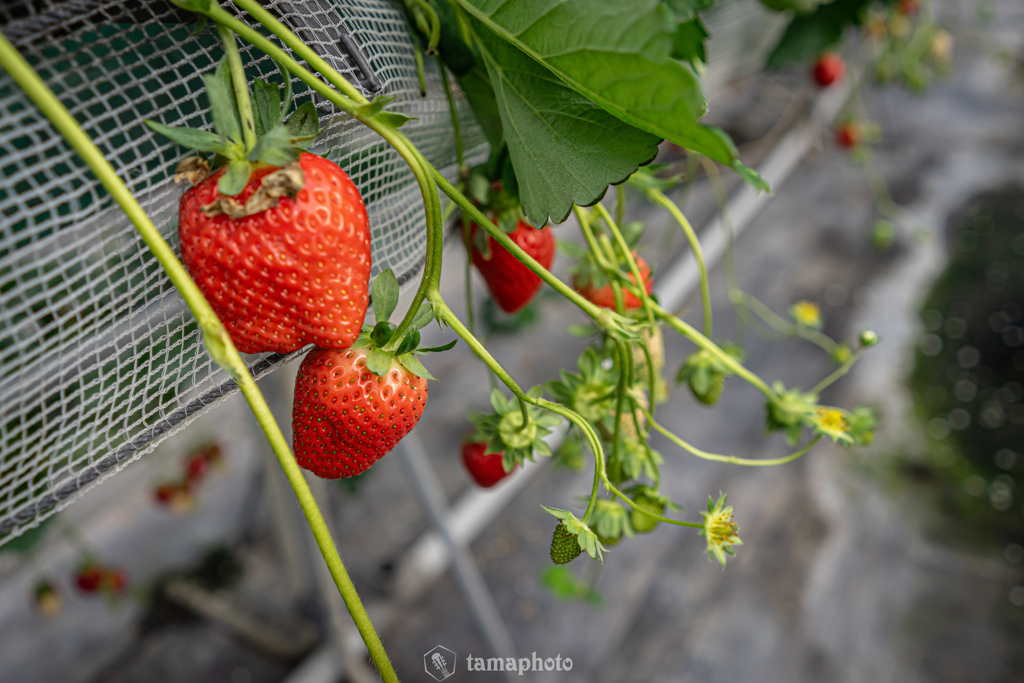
(192, 170)
(285, 182)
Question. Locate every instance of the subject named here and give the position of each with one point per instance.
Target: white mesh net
(99, 358)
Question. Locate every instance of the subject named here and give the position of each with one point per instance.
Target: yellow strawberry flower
(807, 314)
(719, 529)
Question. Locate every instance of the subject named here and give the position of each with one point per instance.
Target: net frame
(100, 360)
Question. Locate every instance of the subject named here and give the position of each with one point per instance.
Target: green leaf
(686, 10)
(193, 138)
(274, 148)
(266, 106)
(423, 316)
(809, 35)
(498, 402)
(423, 350)
(752, 177)
(799, 6)
(688, 41)
(572, 249)
(378, 362)
(480, 94)
(470, 72)
(226, 120)
(394, 119)
(304, 123)
(413, 365)
(565, 149)
(385, 295)
(618, 55)
(235, 178)
(371, 109)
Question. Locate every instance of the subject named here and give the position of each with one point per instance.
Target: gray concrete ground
(836, 581)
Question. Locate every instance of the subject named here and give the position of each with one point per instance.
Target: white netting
(99, 358)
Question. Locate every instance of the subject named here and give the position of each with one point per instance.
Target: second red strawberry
(511, 283)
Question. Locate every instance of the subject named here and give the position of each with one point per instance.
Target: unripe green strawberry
(564, 546)
(712, 391)
(644, 523)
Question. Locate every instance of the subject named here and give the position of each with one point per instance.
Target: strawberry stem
(658, 197)
(222, 349)
(627, 255)
(441, 309)
(731, 459)
(241, 87)
(306, 53)
(703, 342)
(599, 315)
(838, 372)
(456, 128)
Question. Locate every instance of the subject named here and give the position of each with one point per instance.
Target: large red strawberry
(828, 69)
(602, 294)
(486, 469)
(352, 406)
(293, 274)
(277, 239)
(510, 282)
(345, 417)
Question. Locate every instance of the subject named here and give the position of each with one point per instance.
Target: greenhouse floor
(837, 580)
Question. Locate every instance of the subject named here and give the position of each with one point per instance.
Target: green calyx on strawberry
(705, 374)
(651, 502)
(610, 521)
(572, 537)
(505, 431)
(353, 406)
(278, 142)
(590, 391)
(492, 194)
(790, 411)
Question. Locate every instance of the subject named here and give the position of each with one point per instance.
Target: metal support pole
(467, 573)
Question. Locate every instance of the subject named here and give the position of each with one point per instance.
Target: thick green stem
(625, 499)
(218, 342)
(305, 52)
(732, 281)
(241, 87)
(658, 197)
(453, 112)
(446, 314)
